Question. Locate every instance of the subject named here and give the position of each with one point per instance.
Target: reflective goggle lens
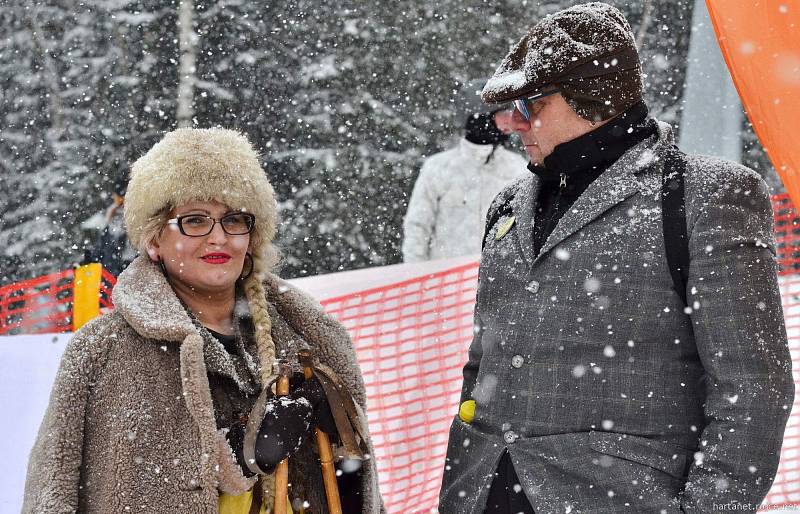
(522, 106)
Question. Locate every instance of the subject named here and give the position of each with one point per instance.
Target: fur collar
(147, 302)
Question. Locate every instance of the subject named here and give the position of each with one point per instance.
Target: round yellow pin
(467, 411)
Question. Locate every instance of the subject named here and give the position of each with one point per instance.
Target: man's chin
(534, 154)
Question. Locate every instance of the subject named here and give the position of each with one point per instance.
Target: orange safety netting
(36, 306)
(44, 304)
(760, 41)
(411, 340)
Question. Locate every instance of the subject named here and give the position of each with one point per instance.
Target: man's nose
(518, 122)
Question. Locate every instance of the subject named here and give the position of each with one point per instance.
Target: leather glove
(289, 421)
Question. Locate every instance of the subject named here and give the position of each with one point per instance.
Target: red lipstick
(216, 258)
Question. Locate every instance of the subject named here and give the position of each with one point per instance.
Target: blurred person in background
(111, 248)
(448, 205)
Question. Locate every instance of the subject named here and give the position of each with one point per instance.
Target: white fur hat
(200, 165)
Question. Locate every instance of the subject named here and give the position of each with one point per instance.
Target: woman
(149, 404)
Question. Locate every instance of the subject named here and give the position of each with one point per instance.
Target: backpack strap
(673, 218)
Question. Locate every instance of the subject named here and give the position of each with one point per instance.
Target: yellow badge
(467, 411)
(504, 228)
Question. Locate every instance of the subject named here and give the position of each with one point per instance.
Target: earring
(162, 267)
(249, 269)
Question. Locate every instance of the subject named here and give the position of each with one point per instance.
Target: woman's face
(208, 264)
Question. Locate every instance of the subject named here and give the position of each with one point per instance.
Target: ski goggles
(521, 104)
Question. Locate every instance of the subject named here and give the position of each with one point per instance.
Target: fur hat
(210, 164)
(587, 51)
(200, 165)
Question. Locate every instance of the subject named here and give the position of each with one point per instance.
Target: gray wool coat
(609, 394)
(130, 426)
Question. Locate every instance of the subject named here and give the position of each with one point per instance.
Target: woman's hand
(289, 421)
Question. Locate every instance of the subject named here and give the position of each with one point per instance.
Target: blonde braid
(262, 331)
(262, 324)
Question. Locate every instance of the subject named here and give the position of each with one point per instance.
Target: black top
(573, 165)
(229, 342)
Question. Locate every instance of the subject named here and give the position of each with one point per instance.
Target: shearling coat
(451, 195)
(131, 425)
(609, 394)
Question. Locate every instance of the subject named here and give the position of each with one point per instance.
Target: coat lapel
(148, 304)
(523, 205)
(612, 187)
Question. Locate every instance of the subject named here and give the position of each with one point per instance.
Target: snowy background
(342, 99)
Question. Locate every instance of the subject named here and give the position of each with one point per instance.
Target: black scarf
(573, 165)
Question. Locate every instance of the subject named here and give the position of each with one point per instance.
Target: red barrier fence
(786, 488)
(45, 304)
(36, 306)
(411, 340)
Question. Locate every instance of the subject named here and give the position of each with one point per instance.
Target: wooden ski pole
(282, 471)
(324, 444)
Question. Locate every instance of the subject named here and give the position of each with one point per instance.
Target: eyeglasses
(198, 225)
(521, 104)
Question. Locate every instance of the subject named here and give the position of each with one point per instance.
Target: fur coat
(130, 426)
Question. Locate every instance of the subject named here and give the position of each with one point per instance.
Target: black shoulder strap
(673, 217)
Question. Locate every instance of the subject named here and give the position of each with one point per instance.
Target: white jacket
(447, 210)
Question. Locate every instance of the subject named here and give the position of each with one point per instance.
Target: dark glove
(289, 421)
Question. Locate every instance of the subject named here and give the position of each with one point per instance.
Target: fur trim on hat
(201, 165)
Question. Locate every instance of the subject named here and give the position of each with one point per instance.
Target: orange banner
(760, 40)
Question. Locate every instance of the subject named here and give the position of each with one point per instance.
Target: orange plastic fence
(39, 305)
(786, 488)
(44, 304)
(411, 340)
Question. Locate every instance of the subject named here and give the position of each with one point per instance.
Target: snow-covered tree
(343, 100)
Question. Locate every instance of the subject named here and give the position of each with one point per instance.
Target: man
(111, 247)
(448, 206)
(596, 387)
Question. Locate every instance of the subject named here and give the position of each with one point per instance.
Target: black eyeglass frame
(178, 220)
(521, 104)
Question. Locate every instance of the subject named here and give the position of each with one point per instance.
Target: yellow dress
(240, 504)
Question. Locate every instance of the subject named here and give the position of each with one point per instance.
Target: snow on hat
(587, 51)
(202, 165)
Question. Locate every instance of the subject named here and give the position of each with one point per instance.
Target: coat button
(510, 437)
(517, 361)
(533, 286)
